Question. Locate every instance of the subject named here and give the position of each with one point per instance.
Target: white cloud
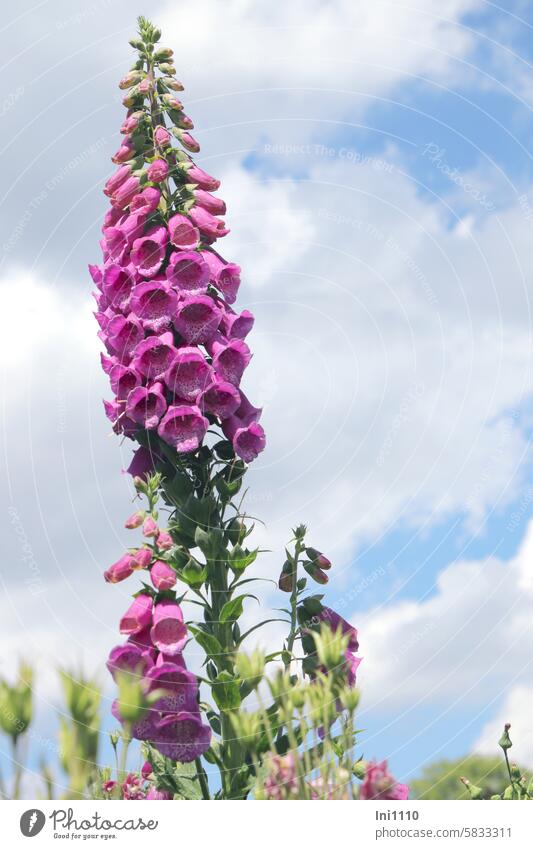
(515, 709)
(466, 647)
(320, 44)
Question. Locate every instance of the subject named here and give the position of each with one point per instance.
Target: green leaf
(226, 692)
(179, 779)
(208, 642)
(240, 558)
(224, 450)
(232, 609)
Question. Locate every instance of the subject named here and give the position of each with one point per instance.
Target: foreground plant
(520, 787)
(175, 357)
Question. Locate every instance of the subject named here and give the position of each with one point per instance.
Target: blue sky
(376, 164)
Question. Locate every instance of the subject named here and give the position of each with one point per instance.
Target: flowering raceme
(175, 360)
(175, 347)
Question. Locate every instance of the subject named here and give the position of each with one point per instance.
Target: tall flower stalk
(175, 357)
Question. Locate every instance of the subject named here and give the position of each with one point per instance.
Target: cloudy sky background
(375, 162)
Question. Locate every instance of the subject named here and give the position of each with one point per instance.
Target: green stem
(293, 603)
(17, 768)
(202, 777)
(126, 740)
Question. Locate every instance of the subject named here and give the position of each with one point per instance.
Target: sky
(376, 164)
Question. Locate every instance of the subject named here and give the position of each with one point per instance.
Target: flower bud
(150, 528)
(316, 574)
(138, 615)
(164, 541)
(188, 141)
(474, 791)
(318, 558)
(172, 102)
(137, 43)
(146, 770)
(131, 97)
(163, 53)
(236, 531)
(142, 558)
(158, 171)
(505, 741)
(130, 79)
(181, 120)
(250, 668)
(166, 68)
(161, 136)
(285, 583)
(162, 575)
(135, 520)
(173, 83)
(120, 570)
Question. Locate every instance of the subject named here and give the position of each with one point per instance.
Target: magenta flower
(115, 243)
(182, 736)
(153, 356)
(146, 770)
(188, 272)
(230, 359)
(125, 193)
(220, 398)
(235, 326)
(146, 404)
(123, 380)
(180, 687)
(224, 275)
(379, 784)
(282, 779)
(197, 319)
(142, 463)
(209, 226)
(132, 226)
(130, 657)
(117, 284)
(116, 180)
(188, 374)
(154, 302)
(203, 180)
(138, 616)
(124, 334)
(146, 201)
(183, 233)
(120, 570)
(124, 153)
(169, 632)
(158, 171)
(242, 430)
(162, 575)
(212, 204)
(249, 441)
(336, 623)
(352, 665)
(155, 794)
(183, 427)
(149, 251)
